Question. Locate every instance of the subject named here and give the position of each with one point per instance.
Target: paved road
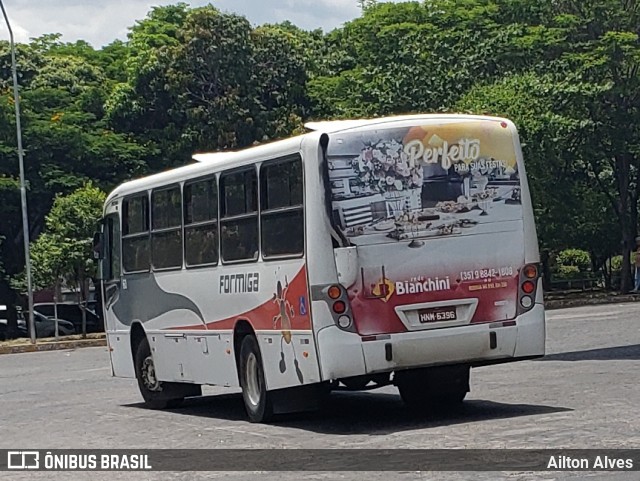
(584, 394)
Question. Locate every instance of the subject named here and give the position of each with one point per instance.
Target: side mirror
(98, 253)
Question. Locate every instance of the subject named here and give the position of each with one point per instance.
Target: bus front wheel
(156, 394)
(257, 400)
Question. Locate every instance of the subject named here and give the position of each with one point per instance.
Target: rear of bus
(436, 258)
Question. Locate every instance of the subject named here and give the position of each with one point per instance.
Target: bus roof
(332, 126)
(211, 162)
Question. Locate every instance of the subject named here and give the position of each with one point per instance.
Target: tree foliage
(66, 138)
(201, 79)
(63, 252)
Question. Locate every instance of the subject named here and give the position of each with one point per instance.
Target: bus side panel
(189, 318)
(532, 329)
(288, 364)
(120, 353)
(200, 357)
(170, 356)
(340, 352)
(211, 358)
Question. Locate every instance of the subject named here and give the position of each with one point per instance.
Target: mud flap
(299, 399)
(173, 390)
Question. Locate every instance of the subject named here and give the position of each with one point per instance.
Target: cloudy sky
(99, 22)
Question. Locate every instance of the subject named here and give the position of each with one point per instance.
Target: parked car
(45, 326)
(72, 312)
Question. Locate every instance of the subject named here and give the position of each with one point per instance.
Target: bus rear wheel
(156, 394)
(438, 388)
(257, 400)
(416, 397)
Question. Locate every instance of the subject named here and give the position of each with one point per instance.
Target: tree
(65, 135)
(610, 143)
(64, 250)
(201, 80)
(279, 81)
(143, 104)
(601, 53)
(570, 209)
(419, 57)
(211, 73)
(366, 4)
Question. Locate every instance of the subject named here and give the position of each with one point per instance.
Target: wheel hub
(149, 375)
(252, 376)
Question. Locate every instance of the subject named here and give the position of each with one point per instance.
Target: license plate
(437, 314)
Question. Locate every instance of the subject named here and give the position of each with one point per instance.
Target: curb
(53, 346)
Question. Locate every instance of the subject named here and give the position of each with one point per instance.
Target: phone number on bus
(486, 273)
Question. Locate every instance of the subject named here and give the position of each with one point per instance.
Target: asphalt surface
(584, 394)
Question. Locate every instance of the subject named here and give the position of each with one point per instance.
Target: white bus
(398, 250)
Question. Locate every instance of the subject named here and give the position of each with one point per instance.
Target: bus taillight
(339, 307)
(530, 271)
(344, 322)
(526, 302)
(337, 299)
(334, 292)
(528, 286)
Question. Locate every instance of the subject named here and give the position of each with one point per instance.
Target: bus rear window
(424, 181)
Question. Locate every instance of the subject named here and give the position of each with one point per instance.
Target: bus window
(112, 262)
(166, 234)
(281, 214)
(135, 238)
(239, 216)
(201, 223)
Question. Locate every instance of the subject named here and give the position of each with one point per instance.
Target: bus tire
(437, 388)
(156, 394)
(257, 400)
(415, 397)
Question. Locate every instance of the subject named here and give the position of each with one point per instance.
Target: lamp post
(23, 190)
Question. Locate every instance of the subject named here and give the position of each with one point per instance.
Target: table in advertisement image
(474, 221)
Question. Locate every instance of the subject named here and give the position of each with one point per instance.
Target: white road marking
(583, 315)
(105, 368)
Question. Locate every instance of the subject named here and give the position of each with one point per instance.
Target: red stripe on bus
(289, 312)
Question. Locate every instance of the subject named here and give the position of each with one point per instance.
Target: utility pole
(23, 189)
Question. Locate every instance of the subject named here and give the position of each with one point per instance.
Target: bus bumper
(472, 344)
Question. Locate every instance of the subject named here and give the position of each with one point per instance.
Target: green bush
(572, 264)
(574, 258)
(568, 272)
(616, 263)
